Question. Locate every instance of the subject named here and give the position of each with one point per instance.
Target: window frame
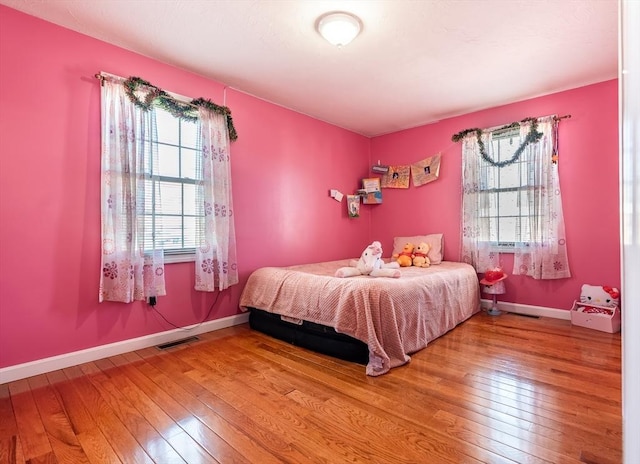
(507, 246)
(174, 255)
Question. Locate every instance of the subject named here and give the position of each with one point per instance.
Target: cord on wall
(152, 301)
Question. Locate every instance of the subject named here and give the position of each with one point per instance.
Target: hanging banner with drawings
(397, 177)
(425, 171)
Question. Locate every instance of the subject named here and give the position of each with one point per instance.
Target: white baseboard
(529, 310)
(41, 366)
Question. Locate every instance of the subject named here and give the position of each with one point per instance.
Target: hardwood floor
(495, 389)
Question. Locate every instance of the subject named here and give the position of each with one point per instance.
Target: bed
(377, 321)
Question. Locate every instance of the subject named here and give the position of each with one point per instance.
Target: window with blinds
(171, 188)
(505, 193)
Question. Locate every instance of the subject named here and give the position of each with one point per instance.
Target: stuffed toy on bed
(405, 257)
(370, 263)
(420, 258)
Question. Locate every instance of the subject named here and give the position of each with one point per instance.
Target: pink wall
(283, 165)
(588, 179)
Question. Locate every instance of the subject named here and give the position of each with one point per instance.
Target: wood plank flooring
(496, 389)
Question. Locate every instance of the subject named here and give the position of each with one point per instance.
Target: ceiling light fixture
(339, 28)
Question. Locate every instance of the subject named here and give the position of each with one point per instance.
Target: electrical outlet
(152, 301)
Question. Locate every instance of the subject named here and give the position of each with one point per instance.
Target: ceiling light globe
(339, 28)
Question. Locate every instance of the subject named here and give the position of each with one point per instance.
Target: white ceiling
(415, 62)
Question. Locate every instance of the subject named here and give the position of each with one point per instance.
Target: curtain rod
(460, 135)
(102, 76)
(497, 128)
(178, 105)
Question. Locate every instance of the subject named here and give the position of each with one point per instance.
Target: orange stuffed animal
(405, 257)
(420, 258)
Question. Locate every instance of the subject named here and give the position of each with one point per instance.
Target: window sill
(507, 248)
(502, 249)
(179, 258)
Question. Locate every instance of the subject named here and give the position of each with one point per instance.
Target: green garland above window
(185, 111)
(532, 137)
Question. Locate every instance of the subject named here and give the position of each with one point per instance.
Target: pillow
(435, 240)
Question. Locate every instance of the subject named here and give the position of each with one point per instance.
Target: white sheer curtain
(476, 249)
(216, 265)
(545, 256)
(131, 269)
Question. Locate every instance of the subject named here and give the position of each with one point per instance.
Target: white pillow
(435, 240)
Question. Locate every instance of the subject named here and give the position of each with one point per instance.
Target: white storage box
(596, 317)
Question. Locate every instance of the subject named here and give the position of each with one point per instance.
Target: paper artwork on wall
(425, 171)
(397, 177)
(372, 198)
(370, 192)
(353, 206)
(337, 195)
(371, 184)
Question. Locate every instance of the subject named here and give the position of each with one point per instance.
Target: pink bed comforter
(394, 317)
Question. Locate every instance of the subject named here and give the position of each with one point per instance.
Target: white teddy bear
(370, 263)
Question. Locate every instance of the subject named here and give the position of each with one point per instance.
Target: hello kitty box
(597, 309)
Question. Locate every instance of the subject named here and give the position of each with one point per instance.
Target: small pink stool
(495, 288)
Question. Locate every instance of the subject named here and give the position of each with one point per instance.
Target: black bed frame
(309, 335)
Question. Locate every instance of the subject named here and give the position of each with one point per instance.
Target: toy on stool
(493, 284)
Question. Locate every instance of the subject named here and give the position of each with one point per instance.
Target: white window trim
(504, 247)
(183, 257)
(176, 255)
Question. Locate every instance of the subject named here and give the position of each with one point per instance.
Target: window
(170, 202)
(166, 190)
(505, 192)
(511, 198)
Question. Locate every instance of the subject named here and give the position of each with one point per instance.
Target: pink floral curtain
(130, 268)
(216, 265)
(476, 250)
(545, 257)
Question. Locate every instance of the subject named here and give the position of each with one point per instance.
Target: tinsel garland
(184, 111)
(532, 137)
